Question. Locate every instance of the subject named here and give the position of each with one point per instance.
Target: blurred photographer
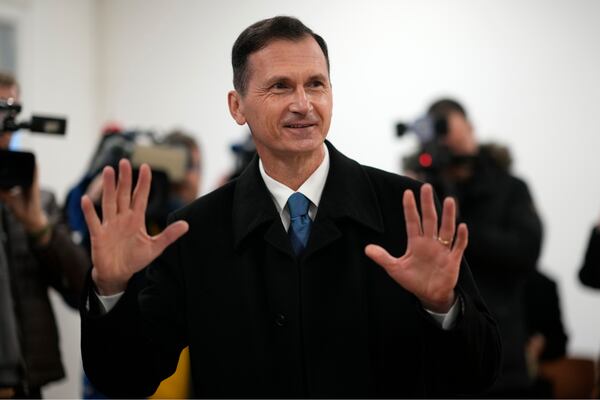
(36, 253)
(505, 231)
(589, 273)
(187, 190)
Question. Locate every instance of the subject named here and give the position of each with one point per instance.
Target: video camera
(169, 164)
(17, 167)
(433, 156)
(433, 162)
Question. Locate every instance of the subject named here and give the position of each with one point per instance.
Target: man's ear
(236, 109)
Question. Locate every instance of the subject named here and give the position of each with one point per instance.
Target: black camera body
(433, 162)
(433, 156)
(17, 168)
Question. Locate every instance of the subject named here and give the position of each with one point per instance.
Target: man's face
(460, 138)
(288, 100)
(7, 92)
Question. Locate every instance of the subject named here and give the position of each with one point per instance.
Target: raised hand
(120, 244)
(429, 268)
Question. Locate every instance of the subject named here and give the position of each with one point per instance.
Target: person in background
(589, 272)
(589, 275)
(186, 191)
(36, 254)
(547, 337)
(505, 231)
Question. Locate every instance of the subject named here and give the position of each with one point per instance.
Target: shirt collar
(312, 188)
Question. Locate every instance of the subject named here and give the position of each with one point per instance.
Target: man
(302, 313)
(505, 231)
(36, 253)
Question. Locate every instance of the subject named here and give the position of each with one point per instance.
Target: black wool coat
(261, 322)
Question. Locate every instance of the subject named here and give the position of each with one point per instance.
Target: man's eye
(316, 84)
(279, 86)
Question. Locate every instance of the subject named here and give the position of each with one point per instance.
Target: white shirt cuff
(108, 302)
(447, 320)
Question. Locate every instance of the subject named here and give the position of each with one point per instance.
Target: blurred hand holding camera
(26, 206)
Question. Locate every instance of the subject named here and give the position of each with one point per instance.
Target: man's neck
(293, 171)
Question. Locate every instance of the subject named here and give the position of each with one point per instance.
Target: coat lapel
(254, 208)
(347, 194)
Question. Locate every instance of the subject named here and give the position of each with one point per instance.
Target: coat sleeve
(464, 360)
(128, 351)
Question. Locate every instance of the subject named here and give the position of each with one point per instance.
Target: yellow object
(177, 386)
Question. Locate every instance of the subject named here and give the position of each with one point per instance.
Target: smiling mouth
(299, 126)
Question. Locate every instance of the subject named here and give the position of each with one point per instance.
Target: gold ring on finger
(444, 242)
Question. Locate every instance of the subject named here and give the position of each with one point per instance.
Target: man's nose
(301, 103)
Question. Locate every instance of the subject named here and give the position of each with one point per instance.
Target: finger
(89, 213)
(411, 214)
(109, 205)
(124, 186)
(430, 219)
(380, 256)
(169, 235)
(462, 239)
(142, 190)
(448, 226)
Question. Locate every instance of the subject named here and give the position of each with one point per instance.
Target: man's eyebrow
(276, 78)
(284, 78)
(318, 77)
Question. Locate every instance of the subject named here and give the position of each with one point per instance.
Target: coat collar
(347, 193)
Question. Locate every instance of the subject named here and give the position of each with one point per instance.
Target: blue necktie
(300, 221)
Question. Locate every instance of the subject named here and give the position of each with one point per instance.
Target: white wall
(526, 70)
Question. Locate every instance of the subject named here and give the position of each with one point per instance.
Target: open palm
(429, 269)
(120, 244)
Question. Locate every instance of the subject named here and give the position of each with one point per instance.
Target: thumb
(171, 233)
(380, 256)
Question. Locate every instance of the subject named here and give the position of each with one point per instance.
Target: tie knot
(298, 205)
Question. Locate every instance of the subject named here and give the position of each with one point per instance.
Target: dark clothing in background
(543, 315)
(60, 264)
(262, 323)
(505, 236)
(589, 274)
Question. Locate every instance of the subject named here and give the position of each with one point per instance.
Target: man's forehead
(282, 55)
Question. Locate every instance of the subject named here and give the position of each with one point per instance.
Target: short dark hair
(7, 80)
(259, 35)
(181, 139)
(441, 108)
